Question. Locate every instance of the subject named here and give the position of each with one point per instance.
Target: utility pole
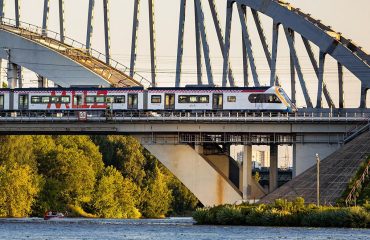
(318, 179)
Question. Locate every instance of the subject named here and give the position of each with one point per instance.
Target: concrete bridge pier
(273, 178)
(304, 155)
(198, 173)
(250, 188)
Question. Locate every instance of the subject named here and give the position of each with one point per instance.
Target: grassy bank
(284, 213)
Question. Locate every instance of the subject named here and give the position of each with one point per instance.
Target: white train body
(152, 99)
(230, 99)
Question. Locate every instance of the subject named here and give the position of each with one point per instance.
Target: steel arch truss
(291, 21)
(329, 42)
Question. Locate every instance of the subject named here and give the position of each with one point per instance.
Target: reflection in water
(170, 228)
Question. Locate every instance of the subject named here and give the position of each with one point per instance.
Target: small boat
(53, 215)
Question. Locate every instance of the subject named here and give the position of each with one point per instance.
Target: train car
(64, 99)
(218, 99)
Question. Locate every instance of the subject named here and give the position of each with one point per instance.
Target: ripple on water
(169, 228)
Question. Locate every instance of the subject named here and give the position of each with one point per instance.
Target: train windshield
(286, 97)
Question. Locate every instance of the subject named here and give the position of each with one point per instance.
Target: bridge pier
(304, 155)
(273, 178)
(42, 82)
(198, 173)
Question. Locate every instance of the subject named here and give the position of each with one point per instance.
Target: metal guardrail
(33, 32)
(358, 130)
(223, 117)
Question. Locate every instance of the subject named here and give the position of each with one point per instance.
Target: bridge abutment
(304, 155)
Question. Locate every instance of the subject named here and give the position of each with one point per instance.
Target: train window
(264, 98)
(90, 99)
(203, 99)
(183, 99)
(193, 99)
(1, 101)
(119, 99)
(45, 99)
(156, 99)
(65, 99)
(35, 99)
(100, 99)
(54, 99)
(231, 98)
(109, 99)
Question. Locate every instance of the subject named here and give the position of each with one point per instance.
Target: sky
(346, 17)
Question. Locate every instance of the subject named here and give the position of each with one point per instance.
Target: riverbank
(285, 214)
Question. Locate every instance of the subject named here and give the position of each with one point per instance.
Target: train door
(78, 100)
(23, 102)
(218, 101)
(133, 101)
(2, 103)
(169, 102)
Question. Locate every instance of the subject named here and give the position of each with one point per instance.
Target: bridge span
(196, 146)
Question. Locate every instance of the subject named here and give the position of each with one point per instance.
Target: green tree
(115, 196)
(125, 154)
(19, 185)
(17, 149)
(157, 197)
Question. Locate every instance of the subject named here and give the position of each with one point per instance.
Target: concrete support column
(273, 184)
(12, 75)
(247, 172)
(42, 82)
(199, 149)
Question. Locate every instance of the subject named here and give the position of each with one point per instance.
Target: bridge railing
(36, 32)
(178, 116)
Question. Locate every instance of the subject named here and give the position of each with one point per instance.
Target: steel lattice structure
(292, 21)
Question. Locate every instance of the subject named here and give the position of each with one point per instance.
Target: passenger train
(186, 99)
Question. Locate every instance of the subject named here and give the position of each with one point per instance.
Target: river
(163, 229)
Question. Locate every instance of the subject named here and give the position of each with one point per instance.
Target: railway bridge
(195, 146)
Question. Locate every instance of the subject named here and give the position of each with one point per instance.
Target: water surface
(170, 228)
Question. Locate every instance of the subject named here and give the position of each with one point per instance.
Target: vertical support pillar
(2, 4)
(273, 181)
(198, 45)
(45, 17)
(61, 20)
(275, 38)
(341, 90)
(216, 22)
(42, 82)
(135, 26)
(321, 79)
(17, 6)
(294, 174)
(229, 15)
(297, 66)
(106, 30)
(206, 50)
(18, 69)
(199, 149)
(292, 72)
(12, 75)
(90, 27)
(180, 43)
(248, 46)
(152, 42)
(363, 96)
(245, 56)
(247, 172)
